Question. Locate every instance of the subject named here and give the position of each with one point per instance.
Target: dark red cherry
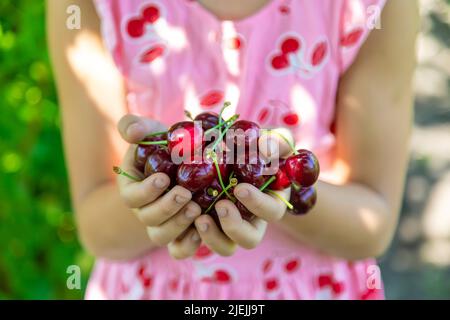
(245, 213)
(143, 151)
(252, 172)
(303, 168)
(282, 181)
(205, 197)
(198, 176)
(208, 119)
(303, 199)
(186, 136)
(160, 161)
(245, 132)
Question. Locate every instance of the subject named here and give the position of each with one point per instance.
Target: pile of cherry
(205, 171)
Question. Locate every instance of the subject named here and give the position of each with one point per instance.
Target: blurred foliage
(37, 233)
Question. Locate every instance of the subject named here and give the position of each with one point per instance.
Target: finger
(213, 237)
(174, 227)
(139, 193)
(186, 246)
(276, 143)
(164, 207)
(246, 234)
(261, 204)
(134, 128)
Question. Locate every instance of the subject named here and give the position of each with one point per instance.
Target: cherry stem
(295, 186)
(287, 203)
(151, 143)
(188, 115)
(225, 105)
(233, 182)
(267, 183)
(219, 174)
(228, 126)
(119, 171)
(155, 134)
(217, 126)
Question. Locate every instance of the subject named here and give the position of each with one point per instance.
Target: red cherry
(291, 119)
(251, 172)
(211, 99)
(143, 151)
(160, 161)
(282, 181)
(303, 168)
(290, 45)
(152, 54)
(135, 28)
(319, 54)
(208, 119)
(185, 136)
(303, 200)
(198, 176)
(245, 132)
(150, 14)
(205, 197)
(280, 62)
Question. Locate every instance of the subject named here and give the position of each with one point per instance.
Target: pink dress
(279, 67)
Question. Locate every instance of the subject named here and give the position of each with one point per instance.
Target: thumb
(134, 128)
(276, 143)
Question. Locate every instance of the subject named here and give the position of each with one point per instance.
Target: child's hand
(266, 208)
(168, 216)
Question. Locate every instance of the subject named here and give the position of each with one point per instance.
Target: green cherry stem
(267, 183)
(290, 144)
(151, 143)
(121, 172)
(287, 203)
(188, 115)
(219, 174)
(233, 182)
(217, 126)
(225, 105)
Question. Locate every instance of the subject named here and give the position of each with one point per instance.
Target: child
(313, 67)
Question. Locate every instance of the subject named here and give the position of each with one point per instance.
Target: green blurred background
(37, 234)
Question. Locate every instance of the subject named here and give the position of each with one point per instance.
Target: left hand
(266, 208)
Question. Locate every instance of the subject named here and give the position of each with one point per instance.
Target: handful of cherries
(210, 156)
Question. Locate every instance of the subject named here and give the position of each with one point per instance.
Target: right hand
(168, 216)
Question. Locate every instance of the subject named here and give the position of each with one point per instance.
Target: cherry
(208, 119)
(247, 129)
(303, 199)
(204, 198)
(303, 168)
(185, 135)
(252, 172)
(245, 213)
(143, 151)
(282, 181)
(160, 161)
(198, 176)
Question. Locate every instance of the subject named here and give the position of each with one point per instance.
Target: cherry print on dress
(277, 108)
(157, 50)
(138, 25)
(285, 7)
(292, 265)
(352, 37)
(267, 266)
(369, 294)
(289, 56)
(328, 287)
(221, 274)
(211, 99)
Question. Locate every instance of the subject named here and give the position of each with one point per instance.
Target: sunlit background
(37, 234)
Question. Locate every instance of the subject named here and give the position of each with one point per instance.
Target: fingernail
(180, 199)
(159, 183)
(203, 227)
(221, 212)
(133, 128)
(195, 237)
(190, 214)
(242, 193)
